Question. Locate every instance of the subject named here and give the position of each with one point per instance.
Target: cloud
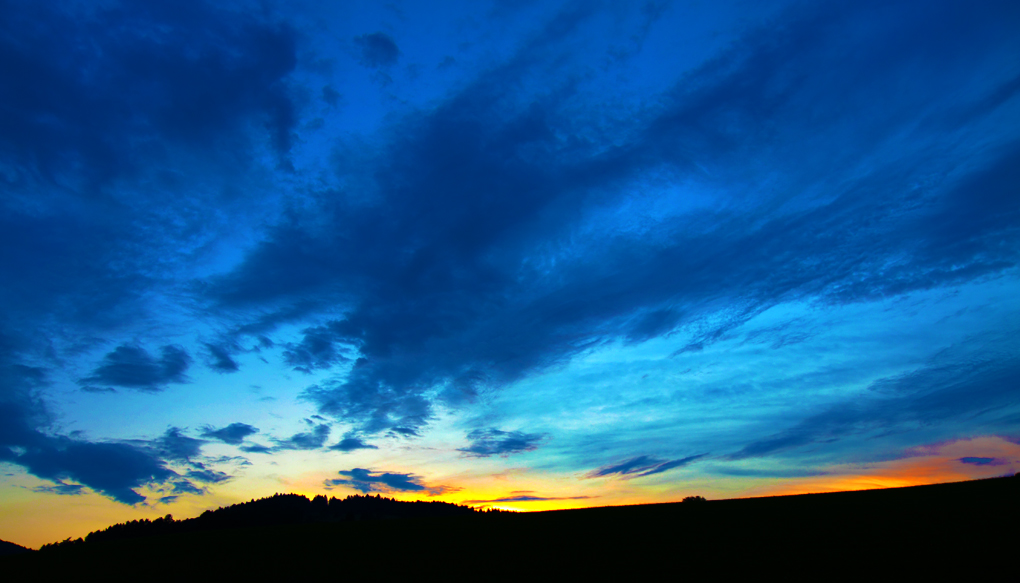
(93, 389)
(981, 461)
(351, 443)
(317, 350)
(124, 125)
(132, 367)
(313, 439)
(331, 96)
(174, 445)
(256, 448)
(61, 488)
(21, 411)
(115, 111)
(220, 359)
(366, 481)
(767, 473)
(641, 466)
(113, 469)
(154, 73)
(377, 50)
(384, 395)
(487, 442)
(527, 498)
(375, 405)
(184, 487)
(208, 476)
(233, 434)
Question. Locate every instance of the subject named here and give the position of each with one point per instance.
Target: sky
(516, 254)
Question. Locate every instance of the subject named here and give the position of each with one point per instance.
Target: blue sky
(527, 254)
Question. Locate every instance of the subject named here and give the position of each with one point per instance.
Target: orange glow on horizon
(932, 464)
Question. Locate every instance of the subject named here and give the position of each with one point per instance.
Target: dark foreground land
(7, 549)
(959, 528)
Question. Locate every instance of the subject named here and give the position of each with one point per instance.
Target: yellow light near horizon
(31, 519)
(934, 464)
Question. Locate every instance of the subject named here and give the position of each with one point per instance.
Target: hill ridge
(278, 509)
(9, 548)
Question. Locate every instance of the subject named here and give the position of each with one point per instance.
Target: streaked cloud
(487, 442)
(641, 466)
(366, 481)
(526, 498)
(314, 439)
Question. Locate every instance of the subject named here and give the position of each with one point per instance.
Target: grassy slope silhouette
(964, 526)
(7, 549)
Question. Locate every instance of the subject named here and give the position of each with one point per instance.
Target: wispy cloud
(314, 439)
(641, 466)
(374, 481)
(528, 498)
(981, 461)
(175, 445)
(973, 379)
(487, 442)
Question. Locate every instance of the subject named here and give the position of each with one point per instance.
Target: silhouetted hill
(7, 548)
(275, 510)
(966, 528)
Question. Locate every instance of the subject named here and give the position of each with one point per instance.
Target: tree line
(278, 509)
